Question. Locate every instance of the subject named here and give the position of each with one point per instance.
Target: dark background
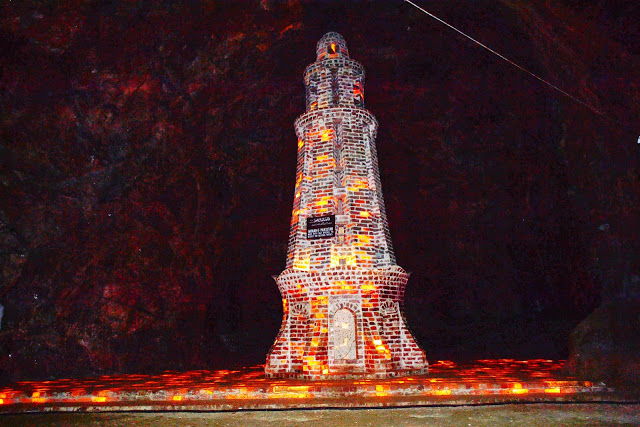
(148, 158)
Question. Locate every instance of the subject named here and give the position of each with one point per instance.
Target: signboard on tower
(321, 227)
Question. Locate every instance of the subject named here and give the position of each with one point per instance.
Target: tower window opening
(358, 94)
(312, 94)
(335, 87)
(341, 208)
(331, 49)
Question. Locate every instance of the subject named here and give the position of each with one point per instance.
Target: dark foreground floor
(500, 415)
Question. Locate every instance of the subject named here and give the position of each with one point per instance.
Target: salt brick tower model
(342, 291)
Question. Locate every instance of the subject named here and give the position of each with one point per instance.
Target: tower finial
(331, 45)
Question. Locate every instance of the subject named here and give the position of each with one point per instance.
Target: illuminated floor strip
(483, 381)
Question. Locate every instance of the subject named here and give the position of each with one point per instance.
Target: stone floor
(448, 383)
(529, 414)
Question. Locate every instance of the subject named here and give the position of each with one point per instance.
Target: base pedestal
(344, 322)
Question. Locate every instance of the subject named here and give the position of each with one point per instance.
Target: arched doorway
(343, 328)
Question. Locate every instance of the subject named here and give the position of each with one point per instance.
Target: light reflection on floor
(500, 377)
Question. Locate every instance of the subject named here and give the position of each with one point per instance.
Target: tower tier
(344, 322)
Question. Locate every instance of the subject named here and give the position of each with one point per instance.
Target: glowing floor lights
(499, 380)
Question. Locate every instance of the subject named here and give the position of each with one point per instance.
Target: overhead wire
(584, 103)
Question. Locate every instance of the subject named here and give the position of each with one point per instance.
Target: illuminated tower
(342, 291)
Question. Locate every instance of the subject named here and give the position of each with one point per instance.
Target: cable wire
(584, 103)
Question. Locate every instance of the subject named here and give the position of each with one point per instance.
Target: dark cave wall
(148, 160)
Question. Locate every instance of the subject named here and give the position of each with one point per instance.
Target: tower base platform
(344, 322)
(448, 383)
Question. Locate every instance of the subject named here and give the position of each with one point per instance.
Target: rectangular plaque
(321, 227)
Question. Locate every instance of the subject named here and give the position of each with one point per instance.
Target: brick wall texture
(342, 294)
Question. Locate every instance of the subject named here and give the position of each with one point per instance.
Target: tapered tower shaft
(342, 291)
